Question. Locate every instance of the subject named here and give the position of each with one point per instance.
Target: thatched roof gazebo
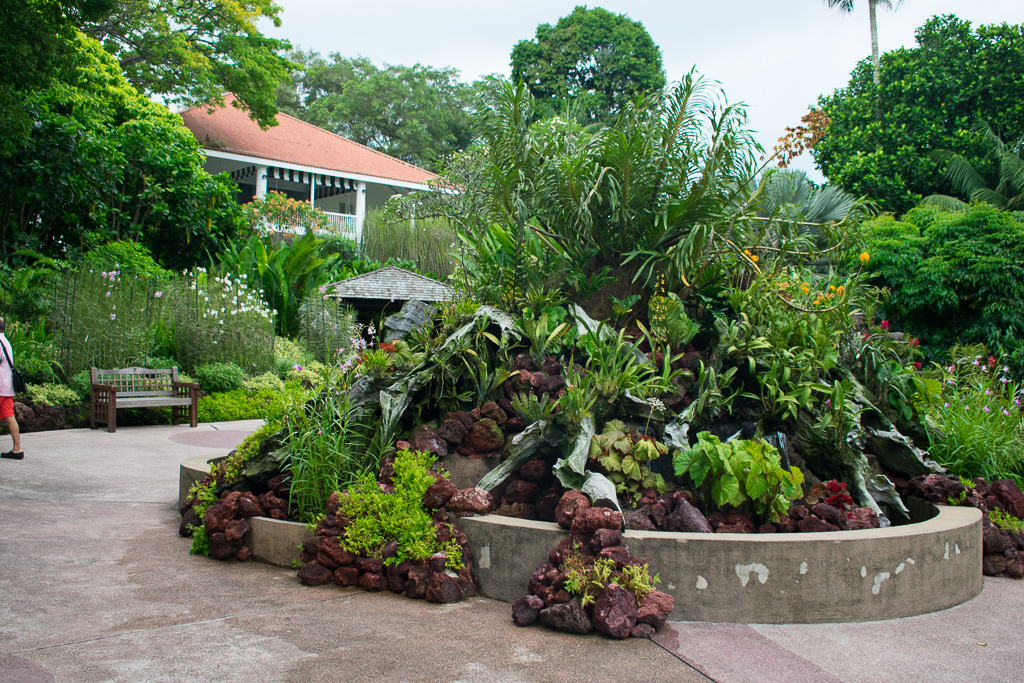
(387, 289)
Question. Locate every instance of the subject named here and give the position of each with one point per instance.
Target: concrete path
(97, 586)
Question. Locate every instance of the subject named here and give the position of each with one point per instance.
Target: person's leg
(12, 427)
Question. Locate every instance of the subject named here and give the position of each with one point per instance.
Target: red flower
(991, 361)
(917, 365)
(865, 336)
(885, 325)
(915, 341)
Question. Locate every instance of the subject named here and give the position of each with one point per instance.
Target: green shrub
(288, 354)
(954, 277)
(53, 395)
(309, 374)
(346, 249)
(131, 259)
(268, 381)
(215, 377)
(239, 404)
(81, 384)
(379, 517)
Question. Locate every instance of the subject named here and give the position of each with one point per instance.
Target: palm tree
(847, 6)
(1008, 194)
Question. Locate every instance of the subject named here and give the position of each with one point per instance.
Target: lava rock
(371, 565)
(617, 554)
(737, 528)
(244, 554)
(523, 361)
(658, 514)
(1013, 563)
(333, 503)
(453, 431)
(346, 576)
(315, 574)
(517, 510)
(1009, 494)
(936, 488)
(423, 438)
(470, 500)
(642, 631)
(236, 530)
(992, 541)
(571, 504)
(443, 588)
(799, 512)
(637, 521)
(248, 506)
(547, 503)
(493, 411)
(593, 519)
(830, 514)
(686, 518)
(332, 555)
(605, 538)
(484, 437)
(189, 519)
(369, 581)
(268, 501)
(526, 609)
(814, 524)
(218, 516)
(557, 555)
(864, 516)
(991, 565)
(416, 582)
(569, 617)
(615, 611)
(535, 470)
(785, 525)
(521, 491)
(655, 608)
(219, 547)
(439, 493)
(767, 529)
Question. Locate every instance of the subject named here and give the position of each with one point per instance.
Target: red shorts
(6, 407)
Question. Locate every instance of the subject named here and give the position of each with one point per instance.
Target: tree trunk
(874, 39)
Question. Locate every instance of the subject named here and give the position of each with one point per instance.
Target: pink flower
(915, 341)
(158, 294)
(885, 325)
(113, 315)
(917, 365)
(296, 368)
(865, 337)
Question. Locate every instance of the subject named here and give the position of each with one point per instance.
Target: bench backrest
(137, 381)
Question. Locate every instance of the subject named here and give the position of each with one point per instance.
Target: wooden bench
(140, 388)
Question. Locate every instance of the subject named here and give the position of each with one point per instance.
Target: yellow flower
(831, 288)
(840, 290)
(816, 302)
(806, 290)
(864, 257)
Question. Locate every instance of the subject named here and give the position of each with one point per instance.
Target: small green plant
(378, 517)
(637, 580)
(542, 338)
(739, 471)
(532, 409)
(200, 542)
(1004, 520)
(239, 404)
(580, 395)
(268, 381)
(586, 582)
(623, 307)
(215, 377)
(53, 395)
(622, 454)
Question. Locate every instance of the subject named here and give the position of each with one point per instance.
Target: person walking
(7, 395)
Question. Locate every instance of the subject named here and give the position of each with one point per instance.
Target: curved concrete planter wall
(758, 578)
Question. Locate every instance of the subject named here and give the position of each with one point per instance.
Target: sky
(776, 56)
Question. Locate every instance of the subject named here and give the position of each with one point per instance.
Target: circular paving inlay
(17, 670)
(207, 437)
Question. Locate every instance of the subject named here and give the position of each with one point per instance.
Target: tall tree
(929, 97)
(416, 113)
(847, 6)
(598, 59)
(191, 51)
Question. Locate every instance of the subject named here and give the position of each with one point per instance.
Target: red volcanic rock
(615, 611)
(993, 541)
(244, 554)
(372, 582)
(346, 576)
(637, 521)
(571, 504)
(268, 501)
(658, 514)
(443, 588)
(470, 500)
(333, 503)
(547, 503)
(416, 582)
(236, 530)
(813, 524)
(189, 520)
(523, 362)
(526, 609)
(569, 617)
(494, 412)
(551, 366)
(332, 555)
(535, 470)
(453, 431)
(798, 512)
(220, 549)
(248, 506)
(593, 519)
(738, 528)
(439, 493)
(767, 529)
(1009, 494)
(538, 580)
(372, 565)
(642, 631)
(277, 513)
(485, 437)
(310, 547)
(936, 488)
(830, 514)
(785, 525)
(217, 516)
(559, 552)
(520, 491)
(1013, 563)
(734, 517)
(655, 608)
(315, 574)
(686, 518)
(991, 565)
(605, 538)
(863, 516)
(424, 438)
(514, 425)
(517, 510)
(437, 563)
(618, 554)
(465, 418)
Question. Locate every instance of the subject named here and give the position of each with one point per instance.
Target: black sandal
(11, 455)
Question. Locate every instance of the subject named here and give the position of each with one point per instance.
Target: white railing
(342, 224)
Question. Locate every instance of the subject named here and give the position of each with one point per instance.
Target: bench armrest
(103, 389)
(186, 390)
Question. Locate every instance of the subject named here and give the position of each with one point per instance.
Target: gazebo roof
(229, 129)
(389, 284)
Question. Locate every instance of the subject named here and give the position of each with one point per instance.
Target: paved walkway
(97, 586)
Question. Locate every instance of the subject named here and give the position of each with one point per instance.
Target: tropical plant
(1007, 195)
(532, 409)
(847, 6)
(622, 454)
(740, 471)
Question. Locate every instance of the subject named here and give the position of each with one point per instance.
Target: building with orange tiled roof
(333, 173)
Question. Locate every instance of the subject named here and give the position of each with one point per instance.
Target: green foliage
(968, 182)
(288, 354)
(80, 384)
(622, 455)
(928, 98)
(590, 63)
(739, 471)
(428, 242)
(215, 377)
(268, 381)
(543, 338)
(103, 162)
(637, 580)
(35, 354)
(953, 276)
(53, 395)
(200, 541)
(669, 322)
(346, 249)
(532, 409)
(587, 581)
(975, 427)
(379, 517)
(1006, 521)
(416, 113)
(27, 284)
(327, 448)
(192, 52)
(129, 259)
(239, 404)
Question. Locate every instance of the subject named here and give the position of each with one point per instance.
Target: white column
(261, 181)
(360, 210)
(312, 189)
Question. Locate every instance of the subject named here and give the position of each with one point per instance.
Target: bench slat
(153, 401)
